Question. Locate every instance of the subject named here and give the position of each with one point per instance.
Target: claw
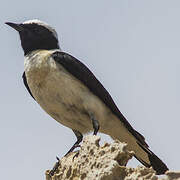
(76, 155)
(57, 158)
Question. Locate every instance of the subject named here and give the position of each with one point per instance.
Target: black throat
(29, 46)
(36, 37)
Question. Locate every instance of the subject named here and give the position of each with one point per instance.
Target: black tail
(156, 163)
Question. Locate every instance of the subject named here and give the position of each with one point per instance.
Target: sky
(133, 48)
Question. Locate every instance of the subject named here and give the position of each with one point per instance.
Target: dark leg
(76, 144)
(95, 123)
(51, 173)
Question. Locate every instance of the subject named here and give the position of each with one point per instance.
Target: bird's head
(35, 34)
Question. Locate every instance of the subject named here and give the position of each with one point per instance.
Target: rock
(106, 162)
(171, 175)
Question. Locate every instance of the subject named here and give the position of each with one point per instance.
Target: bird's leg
(76, 144)
(95, 123)
(54, 169)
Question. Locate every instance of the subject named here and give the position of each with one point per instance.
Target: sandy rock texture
(106, 162)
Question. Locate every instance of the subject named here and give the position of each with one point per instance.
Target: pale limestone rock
(140, 173)
(172, 175)
(106, 162)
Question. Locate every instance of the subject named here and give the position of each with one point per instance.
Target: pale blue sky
(133, 47)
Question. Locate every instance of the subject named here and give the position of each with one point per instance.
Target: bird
(69, 92)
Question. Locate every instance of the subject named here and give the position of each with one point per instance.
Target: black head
(35, 34)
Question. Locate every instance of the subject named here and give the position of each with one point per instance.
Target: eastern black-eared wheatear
(69, 92)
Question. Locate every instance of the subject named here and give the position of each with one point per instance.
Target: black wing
(81, 72)
(26, 84)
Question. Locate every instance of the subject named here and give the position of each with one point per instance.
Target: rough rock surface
(106, 162)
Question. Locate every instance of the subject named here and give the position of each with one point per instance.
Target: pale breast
(57, 92)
